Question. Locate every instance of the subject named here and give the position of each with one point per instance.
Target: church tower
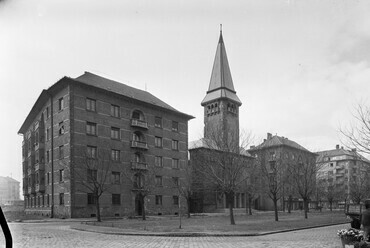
(221, 104)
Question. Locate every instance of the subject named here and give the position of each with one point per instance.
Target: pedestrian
(365, 220)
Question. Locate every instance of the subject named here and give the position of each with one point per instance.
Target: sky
(299, 67)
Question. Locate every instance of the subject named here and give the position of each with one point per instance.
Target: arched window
(138, 115)
(139, 181)
(139, 157)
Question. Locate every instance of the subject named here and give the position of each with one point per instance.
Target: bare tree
(274, 174)
(224, 165)
(93, 175)
(303, 176)
(184, 186)
(359, 183)
(357, 134)
(252, 186)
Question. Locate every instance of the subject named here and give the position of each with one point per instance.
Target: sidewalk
(180, 233)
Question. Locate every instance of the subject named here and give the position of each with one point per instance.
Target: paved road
(60, 235)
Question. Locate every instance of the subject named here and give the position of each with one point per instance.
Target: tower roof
(221, 84)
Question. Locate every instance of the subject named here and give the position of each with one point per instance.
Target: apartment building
(277, 154)
(9, 190)
(343, 175)
(80, 119)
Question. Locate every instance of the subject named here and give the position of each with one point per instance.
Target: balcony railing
(139, 123)
(40, 166)
(40, 188)
(31, 189)
(139, 166)
(139, 144)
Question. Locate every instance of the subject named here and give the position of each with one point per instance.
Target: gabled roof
(9, 179)
(279, 141)
(124, 90)
(221, 84)
(96, 81)
(341, 152)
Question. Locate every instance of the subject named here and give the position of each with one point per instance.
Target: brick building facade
(89, 115)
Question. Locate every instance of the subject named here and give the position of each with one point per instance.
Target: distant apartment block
(343, 174)
(81, 117)
(9, 190)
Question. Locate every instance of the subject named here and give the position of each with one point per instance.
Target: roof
(221, 83)
(279, 141)
(124, 90)
(93, 80)
(209, 144)
(341, 152)
(9, 179)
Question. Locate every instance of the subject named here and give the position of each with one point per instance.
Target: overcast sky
(299, 67)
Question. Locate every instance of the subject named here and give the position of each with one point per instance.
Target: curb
(81, 226)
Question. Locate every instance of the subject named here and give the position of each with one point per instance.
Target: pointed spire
(221, 84)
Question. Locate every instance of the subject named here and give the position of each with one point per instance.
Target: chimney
(269, 136)
(337, 147)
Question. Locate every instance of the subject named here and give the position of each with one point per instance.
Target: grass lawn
(259, 222)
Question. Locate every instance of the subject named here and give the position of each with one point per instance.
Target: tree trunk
(98, 209)
(290, 204)
(142, 202)
(305, 207)
(230, 200)
(331, 206)
(188, 200)
(250, 205)
(276, 208)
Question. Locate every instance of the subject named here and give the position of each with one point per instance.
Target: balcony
(139, 123)
(139, 144)
(139, 166)
(40, 188)
(31, 170)
(31, 189)
(40, 166)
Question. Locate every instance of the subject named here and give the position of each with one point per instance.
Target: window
(91, 199)
(43, 200)
(158, 200)
(48, 156)
(158, 181)
(47, 200)
(158, 141)
(175, 163)
(61, 175)
(116, 199)
(91, 128)
(158, 161)
(354, 170)
(175, 126)
(114, 133)
(90, 104)
(175, 145)
(61, 198)
(175, 181)
(114, 110)
(48, 177)
(273, 166)
(92, 175)
(158, 122)
(48, 134)
(61, 128)
(61, 152)
(91, 151)
(272, 155)
(60, 104)
(331, 164)
(115, 155)
(47, 112)
(116, 177)
(175, 200)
